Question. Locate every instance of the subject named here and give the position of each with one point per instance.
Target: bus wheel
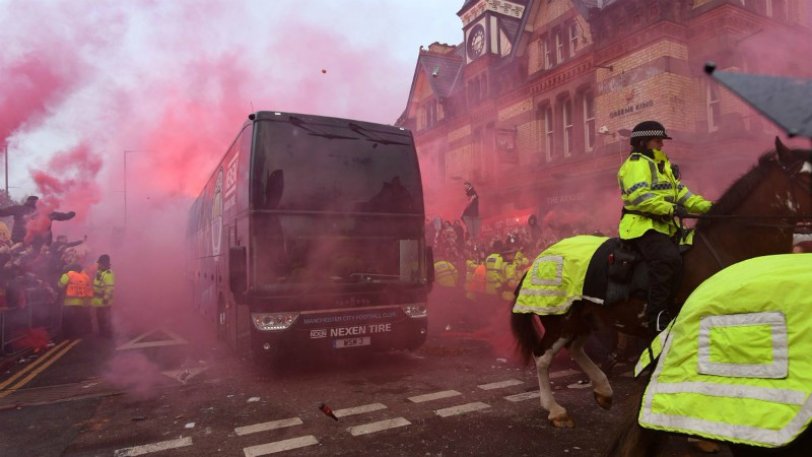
(221, 319)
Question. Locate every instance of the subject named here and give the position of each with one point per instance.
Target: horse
(755, 216)
(680, 370)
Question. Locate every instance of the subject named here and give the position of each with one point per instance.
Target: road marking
(34, 364)
(501, 384)
(462, 409)
(379, 426)
(523, 396)
(186, 374)
(154, 447)
(279, 446)
(434, 396)
(359, 409)
(137, 343)
(561, 374)
(39, 369)
(265, 426)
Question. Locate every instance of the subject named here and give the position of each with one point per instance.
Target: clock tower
(491, 26)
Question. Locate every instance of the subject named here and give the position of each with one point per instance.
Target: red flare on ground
(35, 339)
(327, 411)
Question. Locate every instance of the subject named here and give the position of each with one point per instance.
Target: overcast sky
(83, 80)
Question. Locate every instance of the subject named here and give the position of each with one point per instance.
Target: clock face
(476, 41)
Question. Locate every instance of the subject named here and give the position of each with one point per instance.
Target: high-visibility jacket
(78, 288)
(494, 273)
(647, 185)
(445, 273)
(103, 285)
(735, 366)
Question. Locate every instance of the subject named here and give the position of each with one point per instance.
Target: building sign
(631, 109)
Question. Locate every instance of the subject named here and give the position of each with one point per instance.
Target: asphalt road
(172, 391)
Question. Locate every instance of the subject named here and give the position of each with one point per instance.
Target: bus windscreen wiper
(311, 131)
(372, 277)
(362, 131)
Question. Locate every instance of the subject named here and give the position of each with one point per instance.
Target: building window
(573, 38)
(483, 87)
(548, 132)
(589, 121)
(548, 63)
(714, 110)
(777, 9)
(566, 112)
(559, 48)
(431, 113)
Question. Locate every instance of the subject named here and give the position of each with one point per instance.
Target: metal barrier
(38, 309)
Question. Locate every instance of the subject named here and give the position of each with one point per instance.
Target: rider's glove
(680, 211)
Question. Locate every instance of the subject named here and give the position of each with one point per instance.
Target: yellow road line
(39, 370)
(33, 364)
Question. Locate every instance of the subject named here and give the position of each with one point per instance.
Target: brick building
(533, 105)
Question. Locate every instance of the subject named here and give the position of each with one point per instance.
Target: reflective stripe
(687, 195)
(559, 267)
(789, 397)
(778, 369)
(642, 198)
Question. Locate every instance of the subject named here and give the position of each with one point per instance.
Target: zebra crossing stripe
(523, 396)
(279, 446)
(434, 396)
(359, 409)
(462, 409)
(379, 426)
(154, 447)
(265, 426)
(501, 384)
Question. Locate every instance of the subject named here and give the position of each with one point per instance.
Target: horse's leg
(558, 414)
(600, 383)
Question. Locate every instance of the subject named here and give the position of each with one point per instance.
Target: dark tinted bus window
(336, 167)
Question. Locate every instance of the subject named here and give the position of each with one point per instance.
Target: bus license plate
(352, 342)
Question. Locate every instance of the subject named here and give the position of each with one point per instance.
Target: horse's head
(796, 168)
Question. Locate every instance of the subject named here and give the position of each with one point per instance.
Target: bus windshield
(334, 166)
(335, 202)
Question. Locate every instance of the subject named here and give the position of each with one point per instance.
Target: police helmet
(646, 130)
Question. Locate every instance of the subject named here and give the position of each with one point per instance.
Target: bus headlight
(415, 309)
(268, 322)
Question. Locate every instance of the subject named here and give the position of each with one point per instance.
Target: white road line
(561, 374)
(523, 396)
(373, 427)
(359, 409)
(501, 384)
(265, 426)
(154, 447)
(434, 396)
(279, 446)
(462, 409)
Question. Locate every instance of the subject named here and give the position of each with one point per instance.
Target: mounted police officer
(652, 196)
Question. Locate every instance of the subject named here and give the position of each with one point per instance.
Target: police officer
(652, 195)
(103, 284)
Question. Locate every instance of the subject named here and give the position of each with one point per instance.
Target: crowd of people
(47, 273)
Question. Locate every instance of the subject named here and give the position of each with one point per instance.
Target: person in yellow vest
(652, 196)
(445, 274)
(495, 270)
(78, 290)
(103, 285)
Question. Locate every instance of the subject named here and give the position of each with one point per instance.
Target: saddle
(616, 272)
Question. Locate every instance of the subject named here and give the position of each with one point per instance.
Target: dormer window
(559, 48)
(573, 38)
(548, 62)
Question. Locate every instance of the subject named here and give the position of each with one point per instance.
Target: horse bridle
(794, 184)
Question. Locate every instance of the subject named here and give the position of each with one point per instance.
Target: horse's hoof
(708, 447)
(603, 401)
(563, 422)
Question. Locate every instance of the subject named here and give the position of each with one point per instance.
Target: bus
(309, 234)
